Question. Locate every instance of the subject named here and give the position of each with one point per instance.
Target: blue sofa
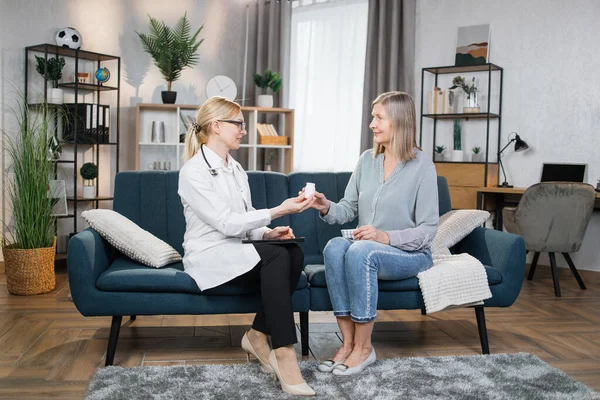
(104, 282)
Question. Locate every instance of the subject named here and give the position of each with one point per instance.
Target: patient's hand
(321, 203)
(280, 232)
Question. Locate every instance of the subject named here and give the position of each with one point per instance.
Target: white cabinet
(167, 153)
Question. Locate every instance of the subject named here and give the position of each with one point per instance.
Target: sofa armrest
(88, 256)
(502, 251)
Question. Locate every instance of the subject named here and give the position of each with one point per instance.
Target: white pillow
(131, 240)
(454, 226)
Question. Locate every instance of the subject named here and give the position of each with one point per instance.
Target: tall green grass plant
(27, 179)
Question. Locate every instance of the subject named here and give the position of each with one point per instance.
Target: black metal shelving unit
(488, 116)
(78, 88)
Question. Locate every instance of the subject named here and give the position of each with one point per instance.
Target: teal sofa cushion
(126, 275)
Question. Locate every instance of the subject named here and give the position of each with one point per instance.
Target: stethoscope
(214, 172)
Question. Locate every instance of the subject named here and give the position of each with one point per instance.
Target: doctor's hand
(368, 232)
(280, 232)
(321, 203)
(292, 205)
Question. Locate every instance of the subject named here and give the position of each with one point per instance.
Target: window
(326, 82)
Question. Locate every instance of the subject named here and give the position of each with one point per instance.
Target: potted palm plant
(89, 172)
(172, 50)
(477, 156)
(51, 70)
(269, 80)
(30, 244)
(439, 153)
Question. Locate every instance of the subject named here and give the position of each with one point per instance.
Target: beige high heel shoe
(247, 347)
(301, 389)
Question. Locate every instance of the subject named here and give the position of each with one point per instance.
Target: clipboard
(276, 241)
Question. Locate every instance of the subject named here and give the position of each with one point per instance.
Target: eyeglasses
(240, 124)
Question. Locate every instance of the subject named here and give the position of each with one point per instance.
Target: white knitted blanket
(454, 280)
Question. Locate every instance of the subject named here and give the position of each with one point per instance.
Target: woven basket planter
(30, 271)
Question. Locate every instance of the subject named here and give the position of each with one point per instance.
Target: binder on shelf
(91, 123)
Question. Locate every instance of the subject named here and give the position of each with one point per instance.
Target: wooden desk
(503, 197)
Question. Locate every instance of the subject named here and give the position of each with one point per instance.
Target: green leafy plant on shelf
(51, 69)
(269, 80)
(457, 135)
(440, 149)
(460, 82)
(89, 172)
(476, 150)
(172, 49)
(271, 156)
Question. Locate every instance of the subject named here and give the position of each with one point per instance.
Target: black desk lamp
(520, 145)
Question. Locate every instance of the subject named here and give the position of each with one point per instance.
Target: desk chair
(552, 217)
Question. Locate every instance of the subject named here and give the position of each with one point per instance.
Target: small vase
(168, 96)
(89, 192)
(439, 157)
(55, 96)
(476, 157)
(158, 132)
(457, 155)
(471, 105)
(265, 101)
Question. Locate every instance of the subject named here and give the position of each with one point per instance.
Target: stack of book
(442, 101)
(268, 135)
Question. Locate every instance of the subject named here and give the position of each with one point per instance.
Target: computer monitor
(564, 172)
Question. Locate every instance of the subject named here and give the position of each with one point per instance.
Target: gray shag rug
(497, 376)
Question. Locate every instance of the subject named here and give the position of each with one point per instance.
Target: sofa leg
(483, 337)
(133, 317)
(115, 327)
(304, 332)
(423, 311)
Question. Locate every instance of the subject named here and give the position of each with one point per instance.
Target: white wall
(109, 27)
(548, 49)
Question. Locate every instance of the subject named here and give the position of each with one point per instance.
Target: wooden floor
(48, 350)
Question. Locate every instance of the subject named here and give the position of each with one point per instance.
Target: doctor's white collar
(215, 160)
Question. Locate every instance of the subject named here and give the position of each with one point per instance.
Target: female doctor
(218, 212)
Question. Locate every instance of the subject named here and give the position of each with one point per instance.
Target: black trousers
(277, 273)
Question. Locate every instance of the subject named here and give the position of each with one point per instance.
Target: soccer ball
(69, 38)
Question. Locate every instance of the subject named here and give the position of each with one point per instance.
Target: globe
(102, 75)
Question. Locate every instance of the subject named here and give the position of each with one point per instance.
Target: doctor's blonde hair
(213, 109)
(401, 109)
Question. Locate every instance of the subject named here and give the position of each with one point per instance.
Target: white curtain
(326, 83)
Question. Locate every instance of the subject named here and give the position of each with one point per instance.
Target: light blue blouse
(405, 206)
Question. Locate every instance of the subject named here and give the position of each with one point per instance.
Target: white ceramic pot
(477, 157)
(55, 96)
(457, 155)
(89, 192)
(439, 157)
(265, 100)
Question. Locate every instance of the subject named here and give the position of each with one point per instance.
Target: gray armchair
(552, 217)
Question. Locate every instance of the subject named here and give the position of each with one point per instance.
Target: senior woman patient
(218, 212)
(393, 191)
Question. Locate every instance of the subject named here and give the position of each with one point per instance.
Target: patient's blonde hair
(213, 109)
(401, 109)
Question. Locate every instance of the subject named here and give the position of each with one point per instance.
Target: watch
(221, 85)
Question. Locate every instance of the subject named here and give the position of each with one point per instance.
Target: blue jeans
(352, 270)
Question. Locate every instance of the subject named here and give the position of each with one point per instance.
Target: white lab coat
(217, 219)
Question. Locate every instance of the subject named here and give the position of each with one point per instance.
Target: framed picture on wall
(472, 45)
